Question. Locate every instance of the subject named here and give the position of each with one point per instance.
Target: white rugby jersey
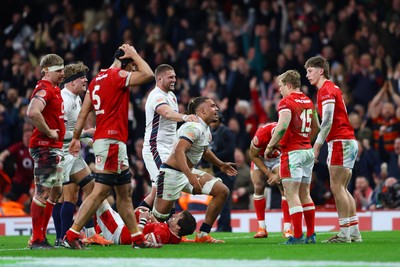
(199, 135)
(160, 134)
(72, 107)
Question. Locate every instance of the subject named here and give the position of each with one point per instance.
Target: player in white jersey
(177, 173)
(161, 123)
(76, 173)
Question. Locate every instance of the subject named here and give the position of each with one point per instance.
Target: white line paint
(149, 262)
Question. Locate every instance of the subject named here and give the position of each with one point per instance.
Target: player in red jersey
(108, 96)
(169, 232)
(265, 169)
(342, 147)
(297, 125)
(46, 112)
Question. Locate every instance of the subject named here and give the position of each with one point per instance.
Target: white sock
(344, 227)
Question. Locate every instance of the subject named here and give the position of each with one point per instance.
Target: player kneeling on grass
(170, 232)
(177, 173)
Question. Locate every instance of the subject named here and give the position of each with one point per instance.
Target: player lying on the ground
(170, 232)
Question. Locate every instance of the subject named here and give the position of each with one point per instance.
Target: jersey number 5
(96, 100)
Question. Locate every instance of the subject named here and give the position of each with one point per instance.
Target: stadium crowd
(230, 51)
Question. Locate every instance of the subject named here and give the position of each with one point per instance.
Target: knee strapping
(208, 186)
(160, 215)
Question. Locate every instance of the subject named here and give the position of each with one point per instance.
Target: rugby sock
(67, 214)
(309, 217)
(205, 229)
(57, 219)
(72, 234)
(89, 228)
(354, 227)
(344, 224)
(137, 237)
(285, 211)
(48, 210)
(259, 206)
(37, 213)
(296, 213)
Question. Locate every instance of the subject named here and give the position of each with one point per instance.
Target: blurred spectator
(390, 195)
(243, 187)
(391, 158)
(320, 194)
(385, 118)
(223, 146)
(364, 80)
(366, 165)
(362, 193)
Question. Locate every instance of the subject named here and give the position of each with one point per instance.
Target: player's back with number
(109, 93)
(297, 134)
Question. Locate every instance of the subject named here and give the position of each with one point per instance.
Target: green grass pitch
(239, 249)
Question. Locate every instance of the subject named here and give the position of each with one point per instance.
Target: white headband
(55, 68)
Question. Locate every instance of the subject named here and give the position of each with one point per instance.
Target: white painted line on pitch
(149, 262)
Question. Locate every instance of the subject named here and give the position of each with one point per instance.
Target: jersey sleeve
(326, 96)
(189, 132)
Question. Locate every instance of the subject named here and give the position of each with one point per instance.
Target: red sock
(285, 211)
(72, 235)
(37, 213)
(137, 237)
(259, 206)
(309, 217)
(297, 220)
(48, 210)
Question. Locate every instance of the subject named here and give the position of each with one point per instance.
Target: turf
(377, 247)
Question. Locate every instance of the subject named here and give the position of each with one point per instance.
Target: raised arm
(144, 73)
(374, 107)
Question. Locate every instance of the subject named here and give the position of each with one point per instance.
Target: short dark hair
(187, 224)
(318, 62)
(195, 103)
(162, 68)
(124, 61)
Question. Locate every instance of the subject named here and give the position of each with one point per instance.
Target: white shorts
(72, 165)
(172, 182)
(297, 165)
(153, 163)
(111, 224)
(110, 154)
(342, 153)
(270, 163)
(48, 166)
